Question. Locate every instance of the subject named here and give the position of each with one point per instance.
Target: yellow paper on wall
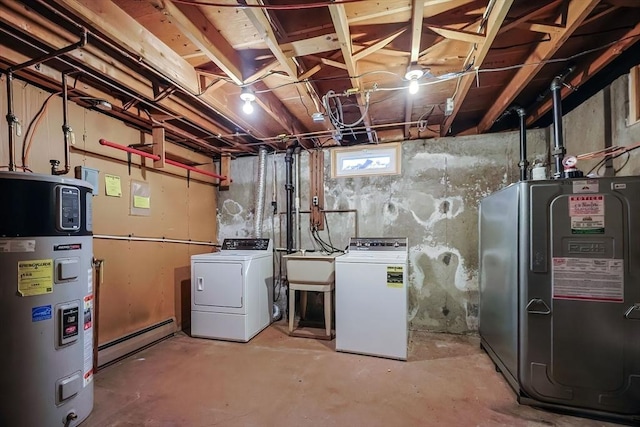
(141, 202)
(112, 185)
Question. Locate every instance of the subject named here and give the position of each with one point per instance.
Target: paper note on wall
(112, 185)
(141, 202)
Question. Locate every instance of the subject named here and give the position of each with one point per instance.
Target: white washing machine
(371, 297)
(232, 290)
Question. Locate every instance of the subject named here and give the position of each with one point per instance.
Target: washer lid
(225, 256)
(374, 257)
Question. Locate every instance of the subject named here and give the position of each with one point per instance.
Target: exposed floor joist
(577, 12)
(493, 23)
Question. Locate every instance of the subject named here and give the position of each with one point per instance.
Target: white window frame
(340, 155)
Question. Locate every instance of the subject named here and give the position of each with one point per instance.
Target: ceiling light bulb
(414, 86)
(247, 107)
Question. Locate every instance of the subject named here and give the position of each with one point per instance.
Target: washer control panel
(246, 245)
(386, 244)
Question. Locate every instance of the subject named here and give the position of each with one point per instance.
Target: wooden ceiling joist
(577, 12)
(417, 19)
(493, 23)
(341, 24)
(197, 28)
(541, 27)
(430, 7)
(537, 11)
(377, 45)
(311, 46)
(581, 75)
(465, 36)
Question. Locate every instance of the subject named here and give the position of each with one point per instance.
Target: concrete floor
(276, 380)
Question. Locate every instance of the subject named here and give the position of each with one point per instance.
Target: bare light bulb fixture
(248, 97)
(414, 86)
(414, 73)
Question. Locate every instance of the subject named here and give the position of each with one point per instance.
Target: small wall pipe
(154, 239)
(559, 151)
(66, 131)
(524, 163)
(156, 157)
(11, 118)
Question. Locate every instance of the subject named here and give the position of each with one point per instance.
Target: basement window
(371, 160)
(634, 95)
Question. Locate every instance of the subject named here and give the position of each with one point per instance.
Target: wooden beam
(431, 8)
(99, 63)
(310, 72)
(331, 63)
(311, 46)
(262, 71)
(341, 24)
(417, 18)
(452, 34)
(113, 22)
(537, 11)
(263, 26)
(593, 66)
(493, 23)
(225, 170)
(377, 45)
(577, 12)
(197, 28)
(157, 133)
(541, 27)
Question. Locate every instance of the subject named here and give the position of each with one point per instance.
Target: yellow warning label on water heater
(395, 276)
(35, 277)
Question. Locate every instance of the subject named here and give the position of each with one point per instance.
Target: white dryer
(371, 297)
(232, 290)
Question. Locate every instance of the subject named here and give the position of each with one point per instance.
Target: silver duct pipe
(297, 197)
(262, 182)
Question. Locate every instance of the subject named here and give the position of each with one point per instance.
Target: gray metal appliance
(560, 292)
(46, 300)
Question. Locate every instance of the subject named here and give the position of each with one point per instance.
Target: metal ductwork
(262, 181)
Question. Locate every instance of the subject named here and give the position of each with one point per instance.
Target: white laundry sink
(311, 267)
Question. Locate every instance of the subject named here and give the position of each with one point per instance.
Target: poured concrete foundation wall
(603, 119)
(433, 202)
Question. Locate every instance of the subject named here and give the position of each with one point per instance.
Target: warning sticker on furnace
(35, 277)
(588, 279)
(587, 214)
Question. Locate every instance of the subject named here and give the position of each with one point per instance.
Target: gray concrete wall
(433, 202)
(585, 129)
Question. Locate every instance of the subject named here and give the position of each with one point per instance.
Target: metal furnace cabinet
(560, 292)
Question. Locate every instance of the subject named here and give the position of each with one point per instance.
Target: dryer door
(218, 284)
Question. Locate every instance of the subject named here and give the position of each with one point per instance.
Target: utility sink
(314, 268)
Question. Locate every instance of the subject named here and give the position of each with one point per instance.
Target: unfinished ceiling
(184, 64)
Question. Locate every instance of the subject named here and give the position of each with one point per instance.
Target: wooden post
(225, 170)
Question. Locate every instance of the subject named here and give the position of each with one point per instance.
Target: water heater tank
(46, 300)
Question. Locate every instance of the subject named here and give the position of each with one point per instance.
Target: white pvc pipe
(153, 239)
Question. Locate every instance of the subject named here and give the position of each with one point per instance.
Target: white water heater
(46, 300)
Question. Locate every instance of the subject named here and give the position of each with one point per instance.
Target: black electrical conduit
(140, 61)
(288, 185)
(116, 87)
(12, 119)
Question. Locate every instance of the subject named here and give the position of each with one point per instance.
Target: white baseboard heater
(119, 348)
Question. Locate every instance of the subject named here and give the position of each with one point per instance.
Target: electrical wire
(32, 127)
(267, 6)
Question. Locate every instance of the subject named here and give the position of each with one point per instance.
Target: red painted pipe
(191, 168)
(129, 149)
(156, 157)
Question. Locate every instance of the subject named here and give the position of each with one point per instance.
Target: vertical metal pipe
(298, 242)
(262, 181)
(66, 131)
(559, 150)
(524, 163)
(288, 158)
(11, 120)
